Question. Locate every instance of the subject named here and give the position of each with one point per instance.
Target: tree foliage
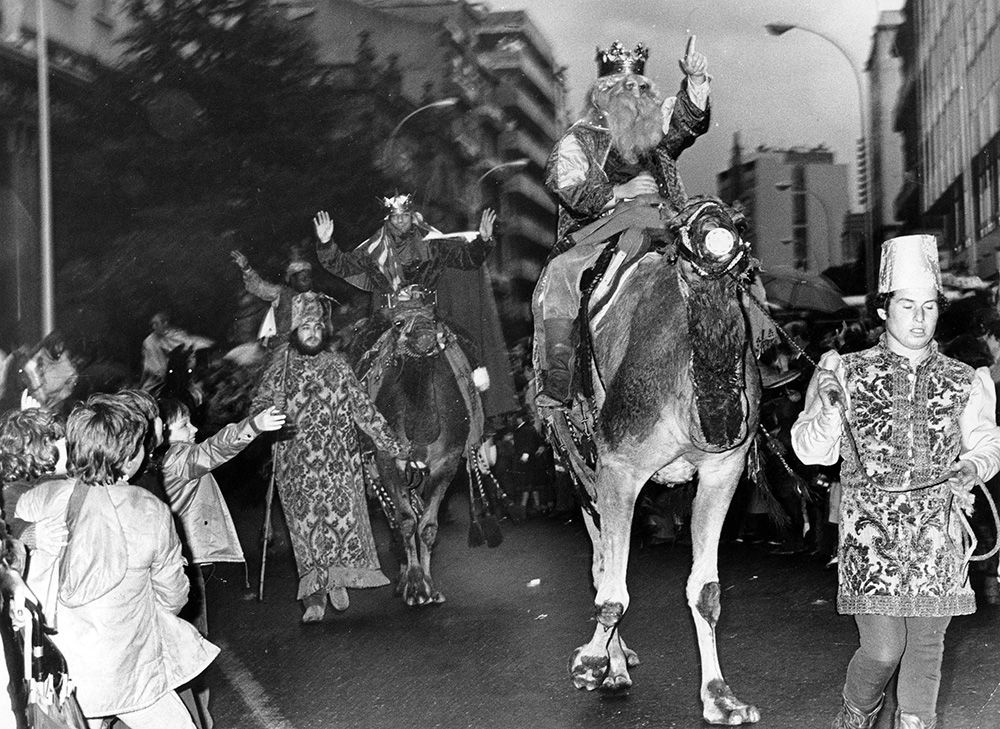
(219, 129)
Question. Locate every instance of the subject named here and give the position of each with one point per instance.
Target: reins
(969, 542)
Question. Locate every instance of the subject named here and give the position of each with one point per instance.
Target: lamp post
(439, 104)
(785, 185)
(518, 163)
(44, 173)
(779, 29)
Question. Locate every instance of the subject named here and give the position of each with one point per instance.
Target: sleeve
(368, 418)
(980, 434)
(570, 176)
(463, 256)
(166, 572)
(148, 355)
(194, 341)
(348, 266)
(816, 432)
(259, 287)
(267, 387)
(685, 122)
(183, 467)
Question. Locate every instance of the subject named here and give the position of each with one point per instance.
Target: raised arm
(252, 280)
(688, 115)
(467, 256)
(348, 266)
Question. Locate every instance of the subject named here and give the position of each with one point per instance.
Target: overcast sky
(785, 91)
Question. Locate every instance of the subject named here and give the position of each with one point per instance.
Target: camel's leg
(717, 482)
(410, 573)
(603, 662)
(428, 530)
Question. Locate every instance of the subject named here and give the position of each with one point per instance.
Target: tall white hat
(909, 262)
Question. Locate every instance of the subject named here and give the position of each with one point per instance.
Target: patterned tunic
(318, 471)
(899, 542)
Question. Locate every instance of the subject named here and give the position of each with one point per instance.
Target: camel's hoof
(722, 707)
(437, 598)
(616, 686)
(631, 657)
(588, 672)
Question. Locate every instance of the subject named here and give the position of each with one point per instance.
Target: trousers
(915, 646)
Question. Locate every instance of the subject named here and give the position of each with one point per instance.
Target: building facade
(948, 113)
(795, 201)
(884, 155)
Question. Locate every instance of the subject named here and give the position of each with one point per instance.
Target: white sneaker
(339, 599)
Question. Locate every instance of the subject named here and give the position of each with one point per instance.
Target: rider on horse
(612, 171)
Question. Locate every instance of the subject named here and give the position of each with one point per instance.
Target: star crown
(398, 203)
(617, 59)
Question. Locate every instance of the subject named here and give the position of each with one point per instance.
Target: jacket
(195, 497)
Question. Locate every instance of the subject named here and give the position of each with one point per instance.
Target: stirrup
(851, 717)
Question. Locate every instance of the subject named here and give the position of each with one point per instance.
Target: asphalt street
(495, 655)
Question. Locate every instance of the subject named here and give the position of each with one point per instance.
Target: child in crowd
(121, 576)
(207, 528)
(32, 449)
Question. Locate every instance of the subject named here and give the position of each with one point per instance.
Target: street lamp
(439, 104)
(785, 185)
(779, 29)
(518, 163)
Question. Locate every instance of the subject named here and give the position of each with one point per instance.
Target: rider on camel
(298, 280)
(404, 258)
(612, 171)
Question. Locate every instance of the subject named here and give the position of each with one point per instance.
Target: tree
(219, 129)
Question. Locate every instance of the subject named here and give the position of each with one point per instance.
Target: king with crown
(612, 172)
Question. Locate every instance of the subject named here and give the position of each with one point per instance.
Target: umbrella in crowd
(793, 289)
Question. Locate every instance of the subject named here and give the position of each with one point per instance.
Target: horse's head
(708, 235)
(416, 326)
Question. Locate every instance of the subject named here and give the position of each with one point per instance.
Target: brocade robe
(898, 553)
(318, 471)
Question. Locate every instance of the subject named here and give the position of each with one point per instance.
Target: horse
(410, 373)
(675, 394)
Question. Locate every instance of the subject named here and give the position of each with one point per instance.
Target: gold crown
(398, 203)
(617, 59)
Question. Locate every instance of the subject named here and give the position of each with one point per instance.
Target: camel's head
(709, 236)
(415, 322)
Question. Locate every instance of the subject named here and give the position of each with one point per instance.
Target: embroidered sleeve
(816, 432)
(980, 434)
(368, 418)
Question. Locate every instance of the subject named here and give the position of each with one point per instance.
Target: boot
(909, 721)
(560, 355)
(851, 717)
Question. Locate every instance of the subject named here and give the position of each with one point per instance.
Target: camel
(676, 391)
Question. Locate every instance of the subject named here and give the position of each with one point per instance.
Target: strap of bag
(74, 506)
